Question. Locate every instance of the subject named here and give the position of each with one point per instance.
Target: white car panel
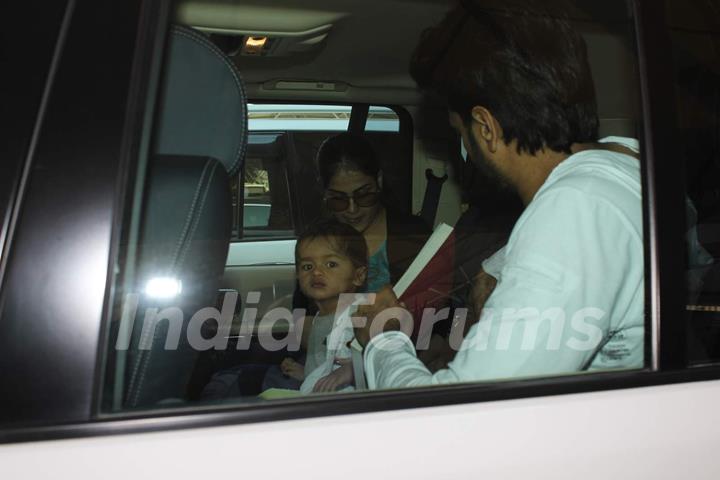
(665, 432)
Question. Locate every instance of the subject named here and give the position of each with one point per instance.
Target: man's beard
(485, 168)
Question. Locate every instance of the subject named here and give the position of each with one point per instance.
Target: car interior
(251, 89)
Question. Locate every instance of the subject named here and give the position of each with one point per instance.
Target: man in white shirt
(569, 294)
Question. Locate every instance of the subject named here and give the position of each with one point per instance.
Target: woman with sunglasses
(352, 181)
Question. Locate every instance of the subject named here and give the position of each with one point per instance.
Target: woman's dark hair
(528, 67)
(346, 151)
(344, 239)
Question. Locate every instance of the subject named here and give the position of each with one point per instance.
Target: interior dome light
(254, 45)
(256, 42)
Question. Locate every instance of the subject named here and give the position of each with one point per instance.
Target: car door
(74, 209)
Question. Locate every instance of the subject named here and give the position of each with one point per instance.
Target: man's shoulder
(598, 177)
(574, 204)
(603, 166)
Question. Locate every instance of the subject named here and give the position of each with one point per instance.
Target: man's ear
(486, 128)
(380, 180)
(360, 276)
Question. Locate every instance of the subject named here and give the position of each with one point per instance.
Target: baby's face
(323, 273)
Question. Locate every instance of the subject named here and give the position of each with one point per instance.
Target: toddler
(331, 259)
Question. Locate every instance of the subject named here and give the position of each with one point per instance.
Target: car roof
(347, 51)
(361, 47)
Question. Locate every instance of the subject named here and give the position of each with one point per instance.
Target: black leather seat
(201, 137)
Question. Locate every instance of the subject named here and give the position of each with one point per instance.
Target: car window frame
(75, 185)
(659, 181)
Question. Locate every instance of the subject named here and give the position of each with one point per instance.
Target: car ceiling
(363, 47)
(367, 48)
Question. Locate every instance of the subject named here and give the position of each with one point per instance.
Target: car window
(333, 118)
(278, 134)
(535, 280)
(695, 35)
(261, 196)
(256, 215)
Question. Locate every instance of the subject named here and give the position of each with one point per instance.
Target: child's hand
(341, 377)
(293, 369)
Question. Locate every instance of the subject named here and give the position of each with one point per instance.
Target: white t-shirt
(317, 345)
(570, 293)
(336, 335)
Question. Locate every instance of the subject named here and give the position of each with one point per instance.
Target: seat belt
(358, 119)
(432, 196)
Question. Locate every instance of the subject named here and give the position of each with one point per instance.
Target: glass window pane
(382, 119)
(542, 275)
(269, 117)
(265, 193)
(272, 117)
(695, 33)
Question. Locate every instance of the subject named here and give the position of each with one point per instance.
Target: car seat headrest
(203, 109)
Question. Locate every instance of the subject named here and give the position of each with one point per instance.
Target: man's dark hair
(345, 240)
(346, 151)
(528, 67)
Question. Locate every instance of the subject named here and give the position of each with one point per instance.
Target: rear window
(320, 118)
(278, 192)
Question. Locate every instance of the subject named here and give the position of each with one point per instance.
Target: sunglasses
(340, 202)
